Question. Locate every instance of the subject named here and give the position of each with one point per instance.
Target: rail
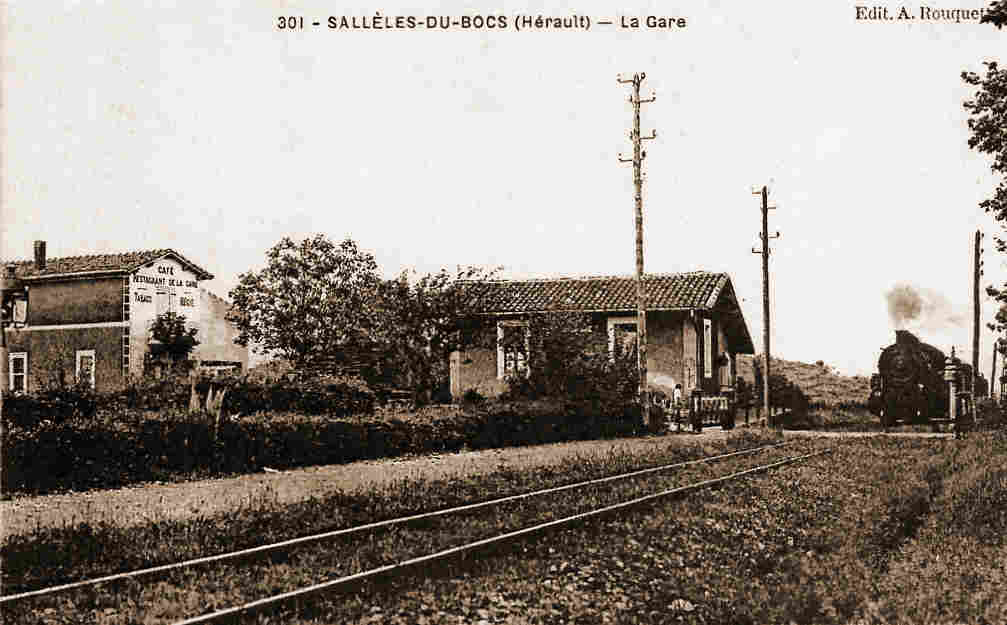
(348, 580)
(261, 549)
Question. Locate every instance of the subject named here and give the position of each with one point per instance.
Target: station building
(695, 328)
(88, 317)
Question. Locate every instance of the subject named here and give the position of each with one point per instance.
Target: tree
(421, 321)
(568, 356)
(996, 14)
(172, 338)
(988, 119)
(313, 298)
(998, 327)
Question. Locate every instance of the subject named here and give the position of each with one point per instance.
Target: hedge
(91, 453)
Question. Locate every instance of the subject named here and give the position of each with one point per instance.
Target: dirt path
(145, 502)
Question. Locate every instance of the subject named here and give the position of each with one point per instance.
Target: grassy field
(820, 383)
(200, 590)
(882, 530)
(46, 554)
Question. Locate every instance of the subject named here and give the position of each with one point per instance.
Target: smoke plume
(917, 308)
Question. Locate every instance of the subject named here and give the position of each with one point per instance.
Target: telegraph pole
(977, 273)
(641, 302)
(764, 235)
(993, 370)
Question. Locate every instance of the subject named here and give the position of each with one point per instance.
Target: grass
(809, 544)
(198, 591)
(883, 530)
(820, 382)
(49, 555)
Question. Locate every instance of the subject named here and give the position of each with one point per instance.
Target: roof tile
(112, 263)
(698, 289)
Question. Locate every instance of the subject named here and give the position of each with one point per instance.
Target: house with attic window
(695, 328)
(88, 318)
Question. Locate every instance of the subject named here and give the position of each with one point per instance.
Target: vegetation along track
(287, 544)
(359, 555)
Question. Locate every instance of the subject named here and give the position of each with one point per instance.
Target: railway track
(441, 554)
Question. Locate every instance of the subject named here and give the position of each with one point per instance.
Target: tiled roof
(698, 289)
(100, 263)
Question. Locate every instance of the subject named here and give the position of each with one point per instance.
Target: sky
(205, 128)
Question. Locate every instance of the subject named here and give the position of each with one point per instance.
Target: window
(725, 371)
(707, 348)
(512, 348)
(162, 303)
(17, 364)
(621, 332)
(85, 367)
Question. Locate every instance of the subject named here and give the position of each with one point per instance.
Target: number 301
(290, 22)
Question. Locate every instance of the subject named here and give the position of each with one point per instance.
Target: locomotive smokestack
(905, 337)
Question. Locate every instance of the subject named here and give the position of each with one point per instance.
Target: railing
(699, 411)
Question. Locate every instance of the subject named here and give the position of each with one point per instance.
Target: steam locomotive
(910, 385)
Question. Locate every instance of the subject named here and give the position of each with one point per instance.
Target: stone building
(88, 317)
(695, 328)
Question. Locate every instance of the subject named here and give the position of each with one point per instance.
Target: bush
(52, 406)
(783, 394)
(315, 395)
(472, 396)
(92, 454)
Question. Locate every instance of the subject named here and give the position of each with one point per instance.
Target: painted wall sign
(166, 286)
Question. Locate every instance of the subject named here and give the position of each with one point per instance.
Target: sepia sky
(204, 128)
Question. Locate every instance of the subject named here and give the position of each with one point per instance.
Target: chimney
(40, 255)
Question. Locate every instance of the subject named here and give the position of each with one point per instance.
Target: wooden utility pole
(641, 300)
(993, 370)
(977, 272)
(764, 235)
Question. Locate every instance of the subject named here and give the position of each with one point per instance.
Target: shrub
(53, 406)
(91, 454)
(472, 396)
(564, 362)
(314, 395)
(782, 393)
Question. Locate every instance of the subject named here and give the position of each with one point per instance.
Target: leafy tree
(567, 356)
(421, 321)
(999, 327)
(172, 337)
(996, 14)
(988, 119)
(314, 298)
